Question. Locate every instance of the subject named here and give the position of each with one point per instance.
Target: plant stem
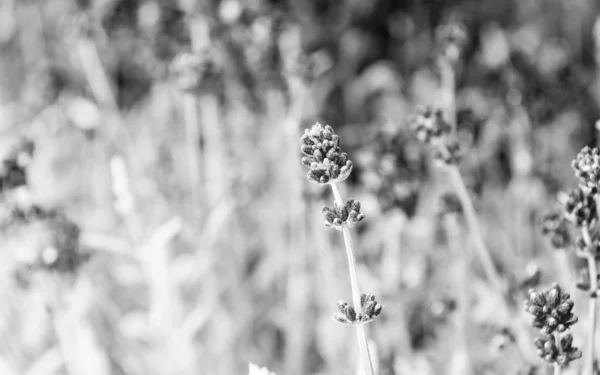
(557, 367)
(593, 272)
(460, 266)
(471, 217)
(486, 261)
(192, 139)
(360, 330)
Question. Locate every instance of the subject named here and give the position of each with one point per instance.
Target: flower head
(587, 167)
(448, 153)
(341, 217)
(580, 207)
(320, 146)
(369, 310)
(555, 226)
(548, 349)
(551, 310)
(429, 127)
(428, 124)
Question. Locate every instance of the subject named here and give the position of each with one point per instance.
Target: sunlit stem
(360, 330)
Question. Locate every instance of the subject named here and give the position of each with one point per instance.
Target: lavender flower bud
(587, 167)
(320, 146)
(341, 217)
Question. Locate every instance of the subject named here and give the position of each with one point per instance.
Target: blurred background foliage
(199, 243)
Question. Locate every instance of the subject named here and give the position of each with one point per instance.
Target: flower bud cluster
(556, 227)
(430, 127)
(551, 310)
(580, 207)
(369, 310)
(587, 167)
(320, 146)
(548, 349)
(341, 217)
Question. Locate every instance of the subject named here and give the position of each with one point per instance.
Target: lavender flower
(548, 350)
(587, 167)
(369, 310)
(551, 310)
(341, 217)
(320, 146)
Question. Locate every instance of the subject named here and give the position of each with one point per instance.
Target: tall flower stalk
(327, 165)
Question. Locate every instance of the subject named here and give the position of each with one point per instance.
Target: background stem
(487, 263)
(471, 217)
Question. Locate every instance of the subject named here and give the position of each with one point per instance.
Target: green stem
(360, 330)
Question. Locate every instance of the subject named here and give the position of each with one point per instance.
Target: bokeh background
(174, 229)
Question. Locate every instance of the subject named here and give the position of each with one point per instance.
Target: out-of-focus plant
(431, 128)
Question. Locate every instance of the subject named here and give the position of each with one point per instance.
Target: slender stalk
(360, 330)
(471, 217)
(192, 137)
(593, 272)
(449, 90)
(486, 261)
(461, 261)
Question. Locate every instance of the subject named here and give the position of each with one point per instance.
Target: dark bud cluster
(47, 242)
(13, 166)
(428, 124)
(449, 153)
(341, 217)
(320, 146)
(587, 167)
(556, 227)
(580, 207)
(369, 310)
(429, 127)
(551, 310)
(548, 349)
(584, 282)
